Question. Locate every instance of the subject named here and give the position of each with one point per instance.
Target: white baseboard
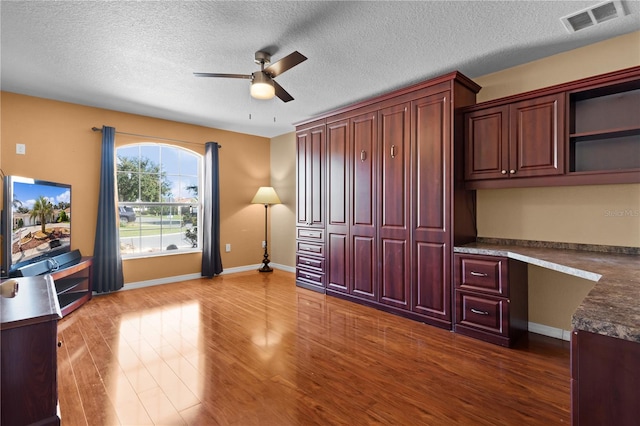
(545, 330)
(177, 278)
(283, 267)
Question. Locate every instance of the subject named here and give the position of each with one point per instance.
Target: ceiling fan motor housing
(262, 58)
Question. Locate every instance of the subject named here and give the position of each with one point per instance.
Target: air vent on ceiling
(594, 15)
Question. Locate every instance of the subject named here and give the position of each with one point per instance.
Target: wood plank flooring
(252, 349)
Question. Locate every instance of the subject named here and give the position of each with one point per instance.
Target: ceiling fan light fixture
(262, 86)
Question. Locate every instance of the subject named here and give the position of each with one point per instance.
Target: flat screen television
(36, 222)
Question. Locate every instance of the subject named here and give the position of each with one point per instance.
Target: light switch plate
(21, 149)
(227, 248)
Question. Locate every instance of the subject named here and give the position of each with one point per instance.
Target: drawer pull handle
(475, 311)
(363, 155)
(479, 274)
(393, 151)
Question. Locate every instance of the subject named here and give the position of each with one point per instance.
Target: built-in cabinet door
(337, 206)
(432, 180)
(487, 147)
(520, 139)
(536, 131)
(363, 130)
(310, 174)
(394, 193)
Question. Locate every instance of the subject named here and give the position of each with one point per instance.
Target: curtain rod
(96, 129)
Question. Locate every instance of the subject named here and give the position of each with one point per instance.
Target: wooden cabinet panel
(363, 256)
(338, 172)
(487, 152)
(432, 185)
(364, 266)
(520, 139)
(395, 154)
(394, 285)
(338, 278)
(536, 132)
(605, 373)
(337, 205)
(394, 196)
(310, 176)
(432, 291)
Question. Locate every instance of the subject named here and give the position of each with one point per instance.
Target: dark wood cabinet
(338, 206)
(310, 210)
(310, 176)
(363, 186)
(491, 298)
(395, 210)
(432, 200)
(520, 139)
(390, 224)
(577, 133)
(28, 345)
(605, 372)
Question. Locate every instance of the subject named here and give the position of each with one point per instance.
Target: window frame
(138, 205)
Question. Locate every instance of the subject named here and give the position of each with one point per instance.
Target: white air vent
(594, 15)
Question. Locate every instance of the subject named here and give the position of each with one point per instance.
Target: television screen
(37, 221)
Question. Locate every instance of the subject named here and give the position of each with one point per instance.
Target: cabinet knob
(60, 344)
(513, 172)
(504, 172)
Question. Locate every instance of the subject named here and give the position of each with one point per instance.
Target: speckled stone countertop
(612, 307)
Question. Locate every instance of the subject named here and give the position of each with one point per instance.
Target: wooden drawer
(312, 263)
(310, 234)
(313, 277)
(488, 314)
(485, 274)
(310, 248)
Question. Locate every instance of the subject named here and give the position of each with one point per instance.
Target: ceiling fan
(263, 85)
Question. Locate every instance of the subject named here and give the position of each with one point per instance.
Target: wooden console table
(28, 343)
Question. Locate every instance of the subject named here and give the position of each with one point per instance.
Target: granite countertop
(612, 307)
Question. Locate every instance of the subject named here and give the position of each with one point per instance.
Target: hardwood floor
(252, 349)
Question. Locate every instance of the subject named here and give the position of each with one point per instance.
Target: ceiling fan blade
(281, 93)
(213, 74)
(285, 64)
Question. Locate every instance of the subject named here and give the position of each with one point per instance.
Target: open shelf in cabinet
(604, 129)
(73, 284)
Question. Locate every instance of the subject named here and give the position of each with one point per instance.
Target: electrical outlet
(264, 244)
(21, 149)
(227, 248)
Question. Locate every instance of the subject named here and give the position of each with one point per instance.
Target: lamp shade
(266, 195)
(262, 86)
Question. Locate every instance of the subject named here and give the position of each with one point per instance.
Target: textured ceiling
(138, 57)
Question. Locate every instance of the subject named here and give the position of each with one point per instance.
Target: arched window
(158, 204)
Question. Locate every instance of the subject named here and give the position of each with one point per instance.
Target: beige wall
(283, 216)
(61, 147)
(570, 214)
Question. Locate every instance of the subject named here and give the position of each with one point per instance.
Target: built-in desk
(611, 308)
(605, 342)
(29, 313)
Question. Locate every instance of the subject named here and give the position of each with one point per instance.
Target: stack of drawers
(491, 298)
(310, 264)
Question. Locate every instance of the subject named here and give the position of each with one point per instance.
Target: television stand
(72, 274)
(73, 284)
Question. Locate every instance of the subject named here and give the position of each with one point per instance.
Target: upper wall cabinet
(578, 133)
(521, 139)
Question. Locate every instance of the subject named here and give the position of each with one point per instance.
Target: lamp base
(265, 268)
